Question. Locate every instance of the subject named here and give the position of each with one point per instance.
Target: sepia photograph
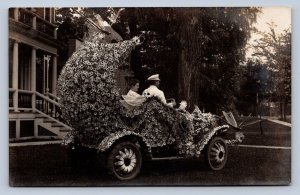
(149, 96)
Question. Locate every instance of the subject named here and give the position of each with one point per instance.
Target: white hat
(154, 78)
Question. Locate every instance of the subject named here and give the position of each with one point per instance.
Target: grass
(48, 165)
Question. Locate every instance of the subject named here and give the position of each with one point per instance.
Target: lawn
(48, 165)
(267, 133)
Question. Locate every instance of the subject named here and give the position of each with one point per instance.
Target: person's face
(136, 87)
(157, 83)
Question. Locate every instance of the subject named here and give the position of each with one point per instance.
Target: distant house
(33, 72)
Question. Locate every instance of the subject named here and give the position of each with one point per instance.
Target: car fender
(107, 142)
(208, 136)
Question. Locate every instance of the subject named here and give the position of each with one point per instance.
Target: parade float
(123, 139)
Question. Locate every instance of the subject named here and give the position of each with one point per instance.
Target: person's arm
(146, 93)
(162, 97)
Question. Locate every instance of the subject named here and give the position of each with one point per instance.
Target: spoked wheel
(125, 160)
(216, 154)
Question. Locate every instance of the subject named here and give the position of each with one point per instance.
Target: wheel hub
(125, 161)
(218, 153)
(221, 155)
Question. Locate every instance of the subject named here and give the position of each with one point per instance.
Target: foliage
(197, 51)
(211, 57)
(158, 53)
(257, 86)
(70, 25)
(76, 22)
(275, 51)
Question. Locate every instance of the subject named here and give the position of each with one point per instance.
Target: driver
(153, 90)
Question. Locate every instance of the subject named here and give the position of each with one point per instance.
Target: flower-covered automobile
(124, 139)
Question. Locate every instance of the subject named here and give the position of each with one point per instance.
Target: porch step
(64, 130)
(54, 124)
(47, 120)
(50, 124)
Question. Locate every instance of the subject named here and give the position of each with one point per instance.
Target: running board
(168, 158)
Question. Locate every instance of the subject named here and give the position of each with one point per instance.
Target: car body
(123, 152)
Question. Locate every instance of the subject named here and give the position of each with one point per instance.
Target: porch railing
(47, 106)
(32, 20)
(25, 99)
(45, 27)
(35, 102)
(52, 97)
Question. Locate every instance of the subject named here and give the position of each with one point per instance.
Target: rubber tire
(208, 160)
(115, 151)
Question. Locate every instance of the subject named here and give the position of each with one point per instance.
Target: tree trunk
(184, 78)
(281, 110)
(188, 84)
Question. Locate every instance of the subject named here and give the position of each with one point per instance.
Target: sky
(281, 16)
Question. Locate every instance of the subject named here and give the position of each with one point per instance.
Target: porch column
(18, 128)
(33, 18)
(16, 14)
(55, 33)
(44, 13)
(50, 15)
(46, 61)
(54, 75)
(54, 15)
(34, 22)
(33, 76)
(15, 70)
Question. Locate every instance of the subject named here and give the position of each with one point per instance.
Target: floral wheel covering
(124, 160)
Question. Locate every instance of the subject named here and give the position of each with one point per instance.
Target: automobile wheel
(216, 153)
(125, 160)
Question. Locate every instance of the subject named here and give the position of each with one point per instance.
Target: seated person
(171, 102)
(133, 99)
(188, 125)
(182, 109)
(153, 91)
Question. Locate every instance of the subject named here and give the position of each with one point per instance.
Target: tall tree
(257, 86)
(197, 51)
(275, 50)
(200, 48)
(215, 55)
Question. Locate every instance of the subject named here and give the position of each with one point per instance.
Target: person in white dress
(132, 99)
